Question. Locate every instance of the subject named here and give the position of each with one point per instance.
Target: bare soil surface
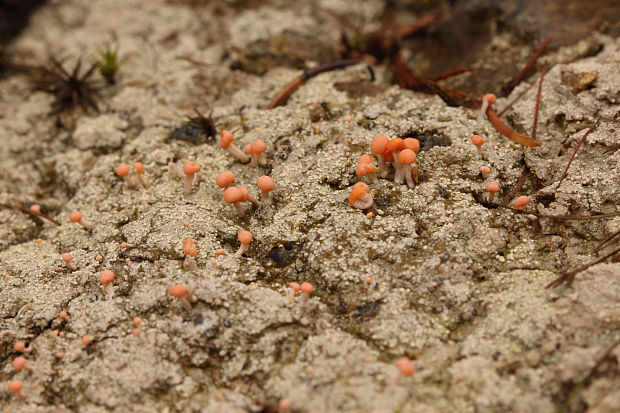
(436, 273)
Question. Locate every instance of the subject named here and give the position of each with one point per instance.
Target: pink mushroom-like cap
(265, 183)
(522, 201)
(477, 140)
(412, 143)
(106, 277)
(258, 146)
(75, 216)
(307, 288)
(224, 179)
(226, 139)
(190, 168)
(406, 156)
(395, 144)
(245, 237)
(492, 187)
(490, 97)
(405, 367)
(178, 291)
(379, 144)
(233, 194)
(122, 170)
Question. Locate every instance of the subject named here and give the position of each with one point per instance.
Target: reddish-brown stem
(535, 125)
(570, 276)
(40, 215)
(508, 106)
(286, 92)
(517, 187)
(301, 79)
(30, 212)
(509, 133)
(581, 141)
(530, 63)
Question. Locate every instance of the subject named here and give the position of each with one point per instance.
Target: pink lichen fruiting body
(123, 171)
(294, 287)
(107, 278)
(20, 363)
(67, 258)
(266, 184)
(258, 147)
(245, 237)
(365, 168)
(76, 216)
(492, 188)
(190, 169)
(190, 251)
(16, 386)
(306, 289)
(183, 293)
(406, 158)
(284, 406)
(20, 347)
(522, 201)
(225, 179)
(405, 368)
(485, 171)
(478, 141)
(139, 168)
(394, 147)
(226, 142)
(487, 100)
(234, 195)
(360, 196)
(379, 147)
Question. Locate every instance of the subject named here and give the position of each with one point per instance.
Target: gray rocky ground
(456, 284)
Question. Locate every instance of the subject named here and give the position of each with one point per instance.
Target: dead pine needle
(530, 63)
(563, 217)
(517, 186)
(24, 208)
(450, 73)
(515, 100)
(535, 125)
(581, 141)
(607, 240)
(411, 29)
(569, 277)
(509, 133)
(307, 74)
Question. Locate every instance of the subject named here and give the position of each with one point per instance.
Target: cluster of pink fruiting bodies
(400, 153)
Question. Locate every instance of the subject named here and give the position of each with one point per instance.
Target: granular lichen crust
(436, 273)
